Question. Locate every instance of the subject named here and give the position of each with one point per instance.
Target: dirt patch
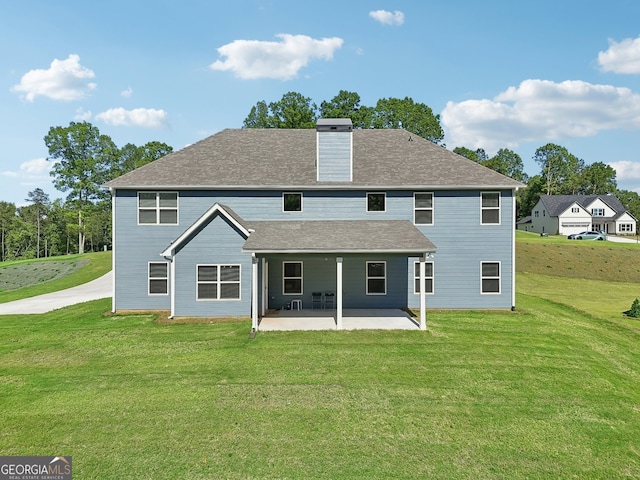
(14, 277)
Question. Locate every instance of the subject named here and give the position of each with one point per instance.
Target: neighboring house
(524, 224)
(567, 214)
(254, 219)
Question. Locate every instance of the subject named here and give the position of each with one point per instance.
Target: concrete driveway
(99, 288)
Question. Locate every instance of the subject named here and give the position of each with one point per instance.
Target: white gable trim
(215, 209)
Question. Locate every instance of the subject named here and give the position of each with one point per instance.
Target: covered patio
(352, 319)
(336, 239)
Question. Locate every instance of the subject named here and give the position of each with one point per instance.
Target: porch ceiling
(337, 236)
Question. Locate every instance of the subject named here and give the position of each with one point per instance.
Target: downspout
(513, 249)
(254, 293)
(113, 250)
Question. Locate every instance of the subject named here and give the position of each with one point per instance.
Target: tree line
(84, 159)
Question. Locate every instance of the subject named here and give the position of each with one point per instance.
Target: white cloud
(626, 170)
(36, 167)
(252, 59)
(621, 57)
(65, 80)
(31, 172)
(387, 18)
(82, 115)
(540, 110)
(138, 117)
(126, 93)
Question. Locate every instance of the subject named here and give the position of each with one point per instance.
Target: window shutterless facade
(292, 278)
(423, 208)
(376, 278)
(490, 277)
(490, 208)
(158, 278)
(292, 202)
(218, 282)
(376, 202)
(428, 277)
(157, 208)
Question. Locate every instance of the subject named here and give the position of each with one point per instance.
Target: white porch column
(265, 293)
(254, 293)
(172, 276)
(423, 300)
(339, 293)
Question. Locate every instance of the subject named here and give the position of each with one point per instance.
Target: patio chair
(316, 300)
(328, 300)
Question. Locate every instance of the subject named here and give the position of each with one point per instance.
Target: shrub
(635, 309)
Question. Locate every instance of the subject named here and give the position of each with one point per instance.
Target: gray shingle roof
(275, 158)
(556, 204)
(344, 236)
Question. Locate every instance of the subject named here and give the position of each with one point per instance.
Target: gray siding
(218, 243)
(334, 157)
(461, 242)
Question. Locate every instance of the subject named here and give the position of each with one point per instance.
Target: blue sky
(501, 74)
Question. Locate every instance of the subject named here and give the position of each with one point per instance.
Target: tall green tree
(559, 168)
(82, 159)
(347, 105)
(40, 202)
(131, 156)
(404, 113)
(293, 110)
(507, 162)
(529, 196)
(598, 178)
(478, 155)
(7, 218)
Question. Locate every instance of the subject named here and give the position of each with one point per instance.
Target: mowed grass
(598, 278)
(548, 391)
(28, 278)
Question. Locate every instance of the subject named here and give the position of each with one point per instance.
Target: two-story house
(568, 214)
(254, 219)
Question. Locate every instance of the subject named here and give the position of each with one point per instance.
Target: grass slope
(28, 278)
(546, 392)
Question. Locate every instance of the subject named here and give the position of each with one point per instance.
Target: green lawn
(549, 391)
(543, 393)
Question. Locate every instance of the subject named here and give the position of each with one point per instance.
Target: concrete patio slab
(352, 319)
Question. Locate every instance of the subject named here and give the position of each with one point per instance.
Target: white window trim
(366, 198)
(301, 202)
(600, 210)
(433, 199)
(157, 208)
(219, 282)
(625, 227)
(499, 208)
(149, 278)
(367, 277)
(416, 265)
(301, 277)
(499, 278)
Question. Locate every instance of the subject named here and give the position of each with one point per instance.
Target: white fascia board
(216, 208)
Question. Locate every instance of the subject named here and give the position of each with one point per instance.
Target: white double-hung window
(490, 208)
(218, 282)
(157, 208)
(490, 277)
